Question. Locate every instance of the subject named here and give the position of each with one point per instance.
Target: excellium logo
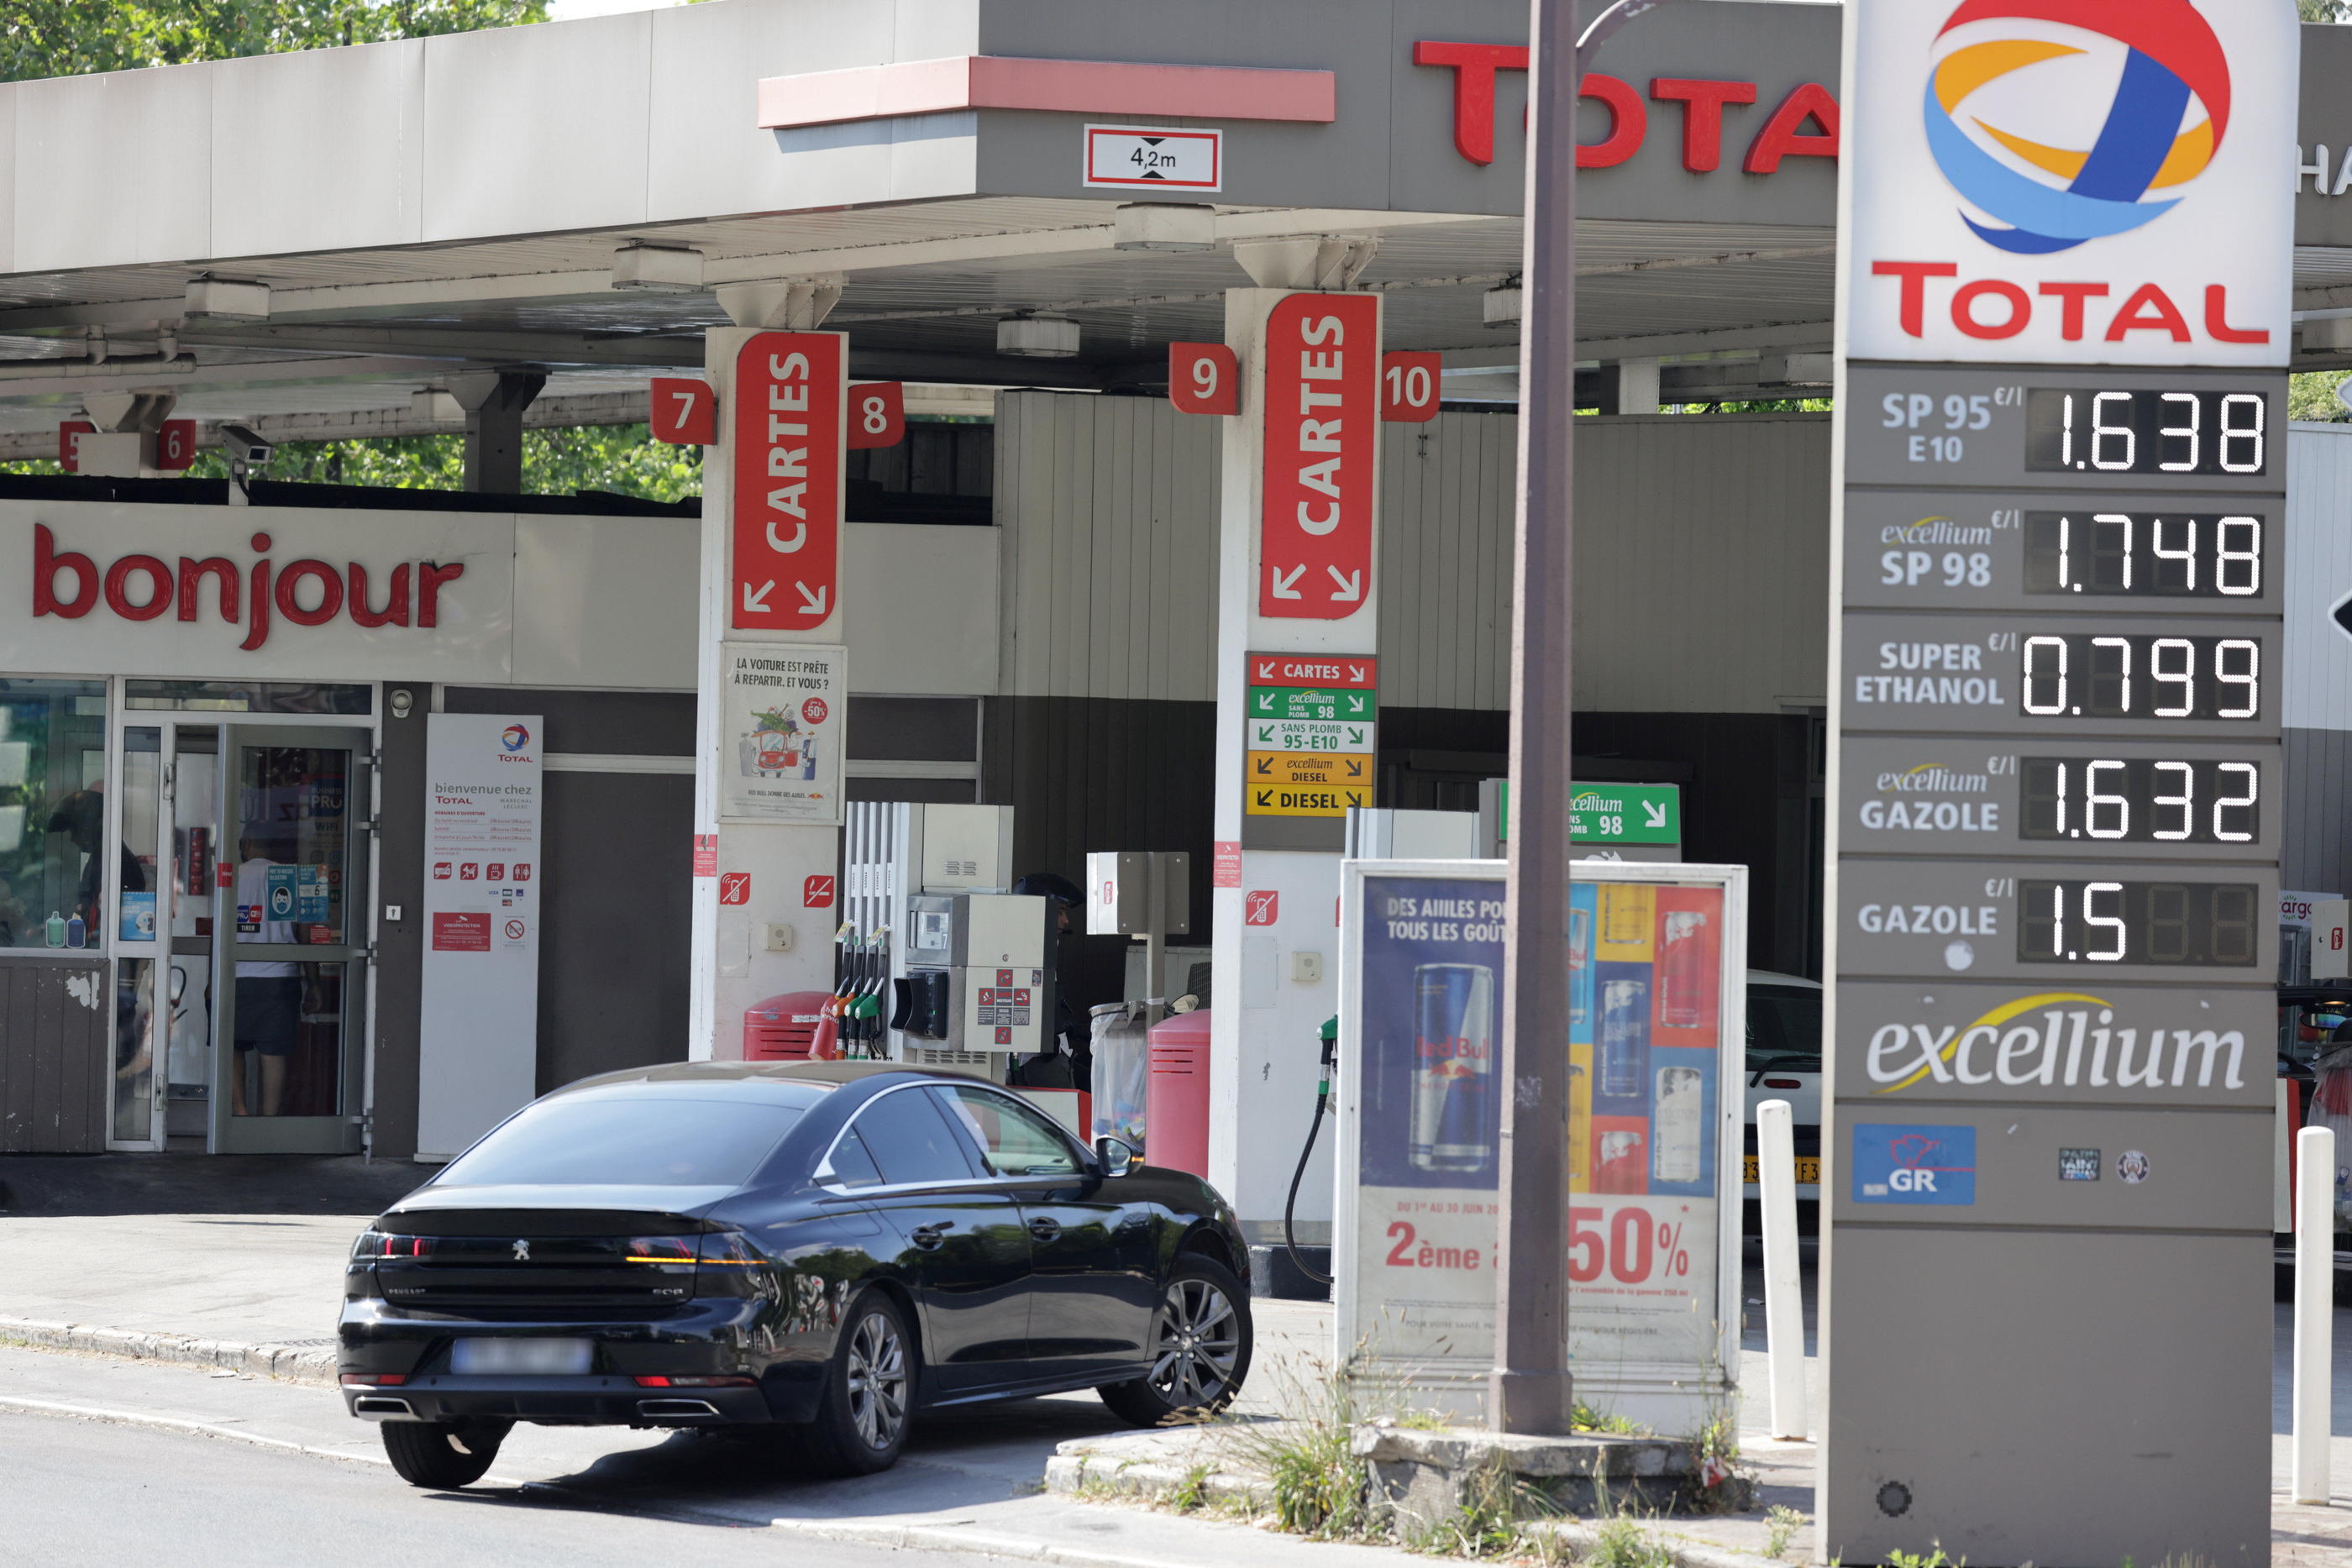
(2055, 1040)
(2156, 66)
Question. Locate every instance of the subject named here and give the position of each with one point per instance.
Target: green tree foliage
(2324, 10)
(75, 37)
(2312, 395)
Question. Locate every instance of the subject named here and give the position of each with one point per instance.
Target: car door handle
(929, 1236)
(1045, 1229)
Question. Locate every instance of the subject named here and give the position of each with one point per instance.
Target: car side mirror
(1117, 1158)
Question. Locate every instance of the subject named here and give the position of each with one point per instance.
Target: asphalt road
(78, 1491)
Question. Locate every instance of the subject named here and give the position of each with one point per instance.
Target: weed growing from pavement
(1622, 1543)
(1935, 1558)
(1583, 1418)
(1782, 1523)
(1193, 1491)
(1498, 1518)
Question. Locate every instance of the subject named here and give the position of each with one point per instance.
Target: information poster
(1653, 1126)
(780, 758)
(480, 1006)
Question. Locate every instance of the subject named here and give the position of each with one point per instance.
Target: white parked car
(1784, 1062)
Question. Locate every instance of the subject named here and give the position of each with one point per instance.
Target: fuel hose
(1290, 1204)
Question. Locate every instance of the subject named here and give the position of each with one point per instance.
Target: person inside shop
(81, 817)
(269, 1006)
(1068, 1061)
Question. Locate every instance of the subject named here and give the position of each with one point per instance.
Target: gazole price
(2140, 801)
(2088, 676)
(2194, 925)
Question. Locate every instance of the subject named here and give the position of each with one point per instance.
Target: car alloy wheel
(877, 1381)
(1197, 1348)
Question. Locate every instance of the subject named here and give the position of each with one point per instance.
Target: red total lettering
(2217, 321)
(1629, 121)
(1784, 135)
(1473, 67)
(1702, 100)
(1914, 275)
(1964, 316)
(2149, 309)
(2070, 323)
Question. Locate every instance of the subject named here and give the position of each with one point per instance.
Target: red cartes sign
(1322, 430)
(790, 392)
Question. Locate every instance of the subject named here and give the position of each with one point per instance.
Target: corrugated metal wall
(54, 1028)
(1702, 556)
(2316, 674)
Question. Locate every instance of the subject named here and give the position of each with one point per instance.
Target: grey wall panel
(400, 945)
(617, 850)
(1107, 507)
(2317, 690)
(2316, 842)
(54, 1019)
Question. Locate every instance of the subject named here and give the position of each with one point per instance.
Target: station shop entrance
(241, 983)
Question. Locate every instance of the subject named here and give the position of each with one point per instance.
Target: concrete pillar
(1628, 386)
(494, 402)
(1275, 980)
(733, 964)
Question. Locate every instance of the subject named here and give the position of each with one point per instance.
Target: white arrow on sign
(1288, 587)
(1350, 587)
(813, 603)
(1264, 671)
(1355, 672)
(1655, 813)
(756, 601)
(1355, 704)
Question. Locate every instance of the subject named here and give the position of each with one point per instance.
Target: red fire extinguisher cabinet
(1176, 1117)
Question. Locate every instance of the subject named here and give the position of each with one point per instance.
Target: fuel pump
(1322, 1100)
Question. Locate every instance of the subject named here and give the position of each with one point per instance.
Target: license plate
(1808, 1170)
(529, 1357)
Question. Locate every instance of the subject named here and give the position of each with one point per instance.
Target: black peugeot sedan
(829, 1247)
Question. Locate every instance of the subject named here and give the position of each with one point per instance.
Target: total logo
(2055, 1040)
(2055, 128)
(513, 739)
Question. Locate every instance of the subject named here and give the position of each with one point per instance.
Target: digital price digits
(2087, 675)
(2189, 924)
(2140, 801)
(2113, 553)
(2087, 431)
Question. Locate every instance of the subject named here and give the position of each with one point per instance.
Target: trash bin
(1178, 1103)
(779, 1029)
(1121, 1072)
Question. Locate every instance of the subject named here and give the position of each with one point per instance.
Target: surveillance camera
(244, 444)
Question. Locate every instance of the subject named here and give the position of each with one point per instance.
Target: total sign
(1322, 443)
(2012, 137)
(790, 389)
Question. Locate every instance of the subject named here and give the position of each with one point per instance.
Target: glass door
(288, 940)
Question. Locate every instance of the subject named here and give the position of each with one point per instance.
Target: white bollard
(2315, 1308)
(1784, 1303)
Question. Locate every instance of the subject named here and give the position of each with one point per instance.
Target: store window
(246, 697)
(52, 813)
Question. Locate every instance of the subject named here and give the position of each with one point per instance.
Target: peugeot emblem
(522, 1251)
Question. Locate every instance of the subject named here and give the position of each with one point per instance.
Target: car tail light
(672, 1249)
(729, 1382)
(1784, 1083)
(374, 1245)
(375, 1379)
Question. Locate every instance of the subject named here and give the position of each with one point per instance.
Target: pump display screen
(2086, 430)
(2149, 554)
(2193, 925)
(2140, 801)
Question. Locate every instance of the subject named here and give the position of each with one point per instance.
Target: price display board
(1650, 1241)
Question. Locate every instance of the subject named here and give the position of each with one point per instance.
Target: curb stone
(284, 1363)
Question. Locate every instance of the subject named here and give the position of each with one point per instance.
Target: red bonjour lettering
(159, 588)
(1702, 100)
(330, 592)
(192, 576)
(257, 630)
(2149, 309)
(1473, 67)
(48, 563)
(1914, 275)
(395, 599)
(2217, 319)
(430, 576)
(1629, 121)
(1785, 136)
(2070, 321)
(2021, 309)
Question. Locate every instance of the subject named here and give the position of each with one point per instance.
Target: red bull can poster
(1653, 1126)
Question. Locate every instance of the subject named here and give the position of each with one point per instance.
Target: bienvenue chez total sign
(213, 592)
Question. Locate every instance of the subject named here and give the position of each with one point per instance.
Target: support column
(733, 964)
(494, 402)
(1628, 386)
(1276, 887)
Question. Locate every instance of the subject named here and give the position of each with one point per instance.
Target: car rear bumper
(716, 1337)
(593, 1400)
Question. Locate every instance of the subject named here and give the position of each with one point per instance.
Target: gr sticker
(1903, 1163)
(2078, 1164)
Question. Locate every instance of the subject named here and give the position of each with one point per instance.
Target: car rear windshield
(1784, 1026)
(626, 1141)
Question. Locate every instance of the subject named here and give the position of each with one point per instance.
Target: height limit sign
(1312, 731)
